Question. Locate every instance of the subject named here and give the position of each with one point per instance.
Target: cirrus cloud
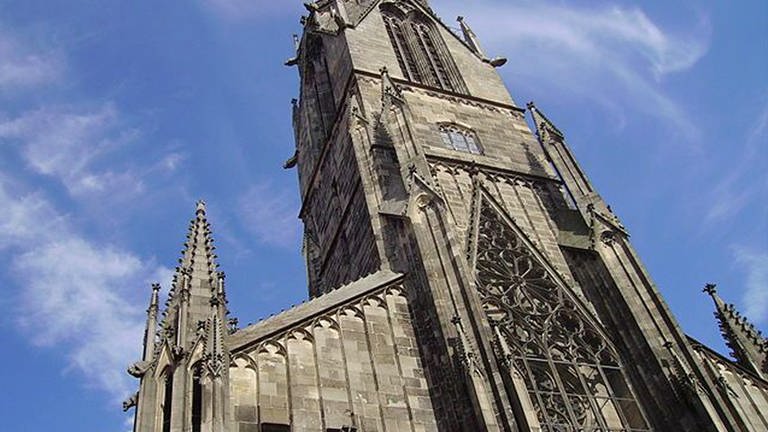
(613, 55)
(24, 67)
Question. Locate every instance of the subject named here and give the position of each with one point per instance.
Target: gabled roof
(311, 309)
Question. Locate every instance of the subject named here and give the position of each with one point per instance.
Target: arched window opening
(438, 71)
(403, 50)
(167, 400)
(419, 49)
(568, 370)
(460, 139)
(197, 399)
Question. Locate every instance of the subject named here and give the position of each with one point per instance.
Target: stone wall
(355, 364)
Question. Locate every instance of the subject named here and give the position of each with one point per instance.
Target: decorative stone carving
(139, 369)
(562, 356)
(131, 402)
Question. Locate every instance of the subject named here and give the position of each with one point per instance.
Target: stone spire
(563, 160)
(151, 327)
(196, 281)
(748, 346)
(184, 375)
(470, 37)
(542, 123)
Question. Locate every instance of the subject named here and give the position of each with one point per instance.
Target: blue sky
(116, 116)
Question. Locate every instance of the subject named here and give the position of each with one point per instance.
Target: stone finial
(200, 210)
(710, 289)
(155, 297)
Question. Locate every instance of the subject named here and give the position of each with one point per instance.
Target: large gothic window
(557, 360)
(420, 51)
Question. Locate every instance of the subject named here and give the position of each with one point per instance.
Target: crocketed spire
(747, 344)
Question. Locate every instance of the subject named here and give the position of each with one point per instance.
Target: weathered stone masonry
(463, 272)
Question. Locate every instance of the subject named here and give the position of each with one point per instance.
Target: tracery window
(457, 138)
(554, 355)
(420, 51)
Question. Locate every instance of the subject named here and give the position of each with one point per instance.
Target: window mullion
(561, 388)
(599, 416)
(435, 59)
(414, 40)
(533, 389)
(615, 400)
(396, 36)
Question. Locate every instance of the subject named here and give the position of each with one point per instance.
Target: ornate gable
(558, 360)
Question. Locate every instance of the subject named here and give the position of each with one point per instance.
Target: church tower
(464, 274)
(526, 292)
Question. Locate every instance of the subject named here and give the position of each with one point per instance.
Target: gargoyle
(138, 369)
(130, 402)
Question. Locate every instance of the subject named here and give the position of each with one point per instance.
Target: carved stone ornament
(178, 352)
(608, 237)
(423, 200)
(574, 378)
(139, 369)
(131, 402)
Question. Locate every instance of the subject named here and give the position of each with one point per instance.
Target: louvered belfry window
(420, 51)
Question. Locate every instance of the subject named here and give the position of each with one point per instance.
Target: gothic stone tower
(464, 274)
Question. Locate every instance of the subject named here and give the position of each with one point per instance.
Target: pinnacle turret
(748, 346)
(196, 281)
(151, 327)
(190, 354)
(542, 123)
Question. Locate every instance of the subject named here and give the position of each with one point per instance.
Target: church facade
(464, 274)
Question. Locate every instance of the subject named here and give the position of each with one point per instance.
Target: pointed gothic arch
(421, 52)
(197, 397)
(166, 409)
(557, 359)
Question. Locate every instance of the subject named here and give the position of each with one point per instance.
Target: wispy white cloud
(75, 296)
(615, 56)
(745, 182)
(755, 264)
(28, 218)
(66, 143)
(270, 214)
(78, 294)
(23, 66)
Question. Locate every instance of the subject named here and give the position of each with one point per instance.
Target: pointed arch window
(167, 400)
(419, 49)
(555, 357)
(197, 399)
(458, 138)
(403, 49)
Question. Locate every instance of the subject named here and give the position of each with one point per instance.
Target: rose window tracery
(572, 375)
